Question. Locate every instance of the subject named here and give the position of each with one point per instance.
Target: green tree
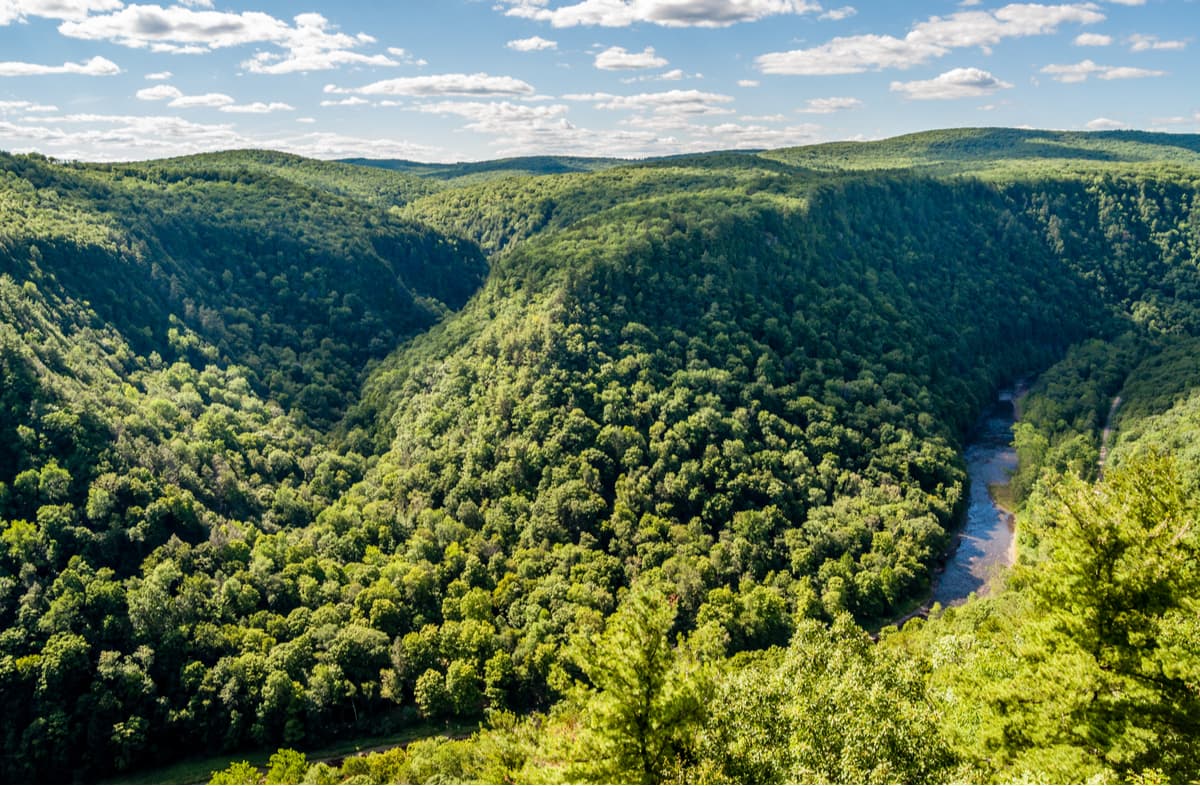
(646, 697)
(237, 773)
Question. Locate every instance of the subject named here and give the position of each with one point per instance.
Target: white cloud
(312, 60)
(616, 58)
(307, 120)
(258, 108)
(500, 117)
(205, 101)
(1128, 72)
(138, 26)
(1079, 72)
(687, 102)
(98, 137)
(1093, 39)
(351, 101)
(161, 48)
(480, 84)
(1128, 2)
(956, 83)
(406, 57)
(330, 145)
(735, 136)
(97, 66)
(220, 101)
(1105, 124)
(159, 93)
(838, 14)
(667, 13)
(674, 75)
(826, 106)
(935, 37)
(1146, 43)
(534, 44)
(158, 76)
(748, 83)
(849, 55)
(1178, 120)
(20, 10)
(309, 44)
(26, 106)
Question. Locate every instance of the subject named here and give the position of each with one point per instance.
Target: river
(985, 545)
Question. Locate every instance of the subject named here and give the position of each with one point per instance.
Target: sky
(465, 80)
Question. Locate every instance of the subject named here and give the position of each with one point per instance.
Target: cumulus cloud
(204, 101)
(533, 44)
(351, 101)
(748, 83)
(308, 44)
(159, 93)
(500, 117)
(1146, 43)
(826, 106)
(406, 56)
(20, 10)
(1106, 124)
(674, 75)
(689, 102)
(849, 55)
(314, 60)
(97, 66)
(1079, 72)
(25, 107)
(667, 13)
(99, 137)
(838, 14)
(479, 84)
(258, 108)
(158, 76)
(956, 83)
(935, 37)
(616, 58)
(177, 100)
(1093, 39)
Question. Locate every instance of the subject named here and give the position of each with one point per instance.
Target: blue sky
(449, 80)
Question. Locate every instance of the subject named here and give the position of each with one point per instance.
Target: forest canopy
(299, 449)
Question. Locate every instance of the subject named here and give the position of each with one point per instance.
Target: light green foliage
(236, 773)
(1123, 575)
(647, 696)
(286, 766)
(831, 708)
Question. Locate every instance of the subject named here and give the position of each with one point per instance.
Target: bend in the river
(984, 546)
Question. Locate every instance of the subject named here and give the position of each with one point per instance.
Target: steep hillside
(298, 284)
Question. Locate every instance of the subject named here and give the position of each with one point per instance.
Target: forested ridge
(613, 458)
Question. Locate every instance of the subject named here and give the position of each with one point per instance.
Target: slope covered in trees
(292, 459)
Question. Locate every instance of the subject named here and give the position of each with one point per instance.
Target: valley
(615, 462)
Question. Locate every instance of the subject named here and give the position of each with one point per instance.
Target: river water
(985, 542)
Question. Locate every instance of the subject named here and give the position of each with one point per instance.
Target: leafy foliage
(289, 458)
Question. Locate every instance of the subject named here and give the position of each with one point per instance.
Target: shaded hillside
(299, 286)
